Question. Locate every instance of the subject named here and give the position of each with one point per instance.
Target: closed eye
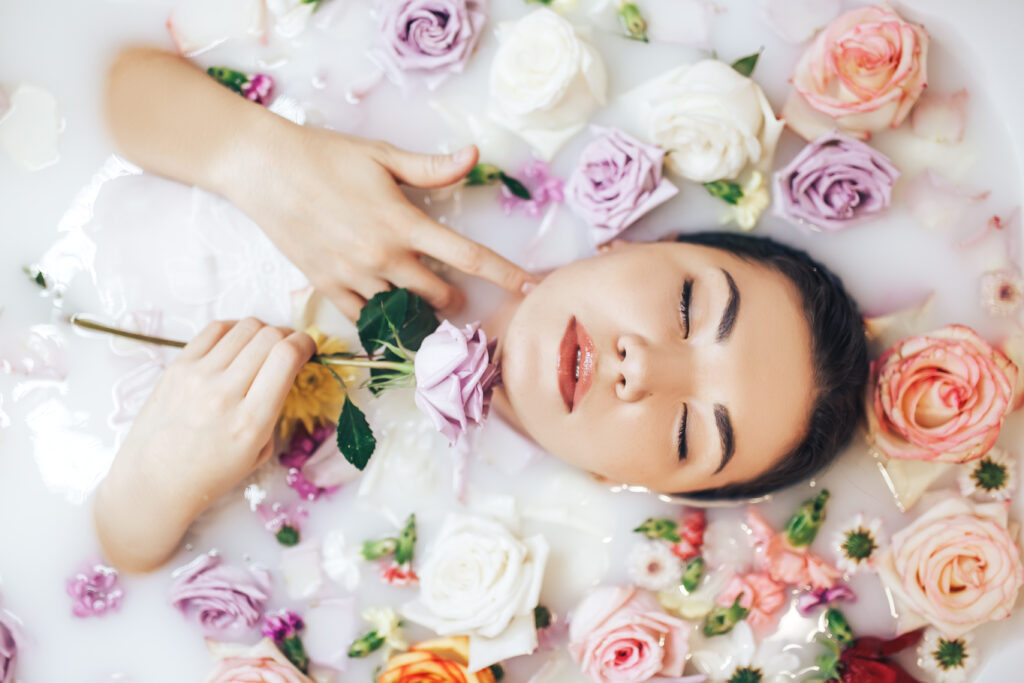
(684, 307)
(682, 434)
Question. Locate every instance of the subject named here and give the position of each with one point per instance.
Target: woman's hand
(329, 201)
(207, 425)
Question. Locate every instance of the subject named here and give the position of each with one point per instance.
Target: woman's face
(670, 366)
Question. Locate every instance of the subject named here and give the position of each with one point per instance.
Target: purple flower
(455, 377)
(431, 35)
(544, 188)
(301, 448)
(8, 646)
(95, 590)
(835, 182)
(618, 180)
(282, 625)
(807, 601)
(222, 599)
(258, 88)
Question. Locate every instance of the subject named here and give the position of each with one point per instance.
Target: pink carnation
(758, 593)
(691, 535)
(783, 562)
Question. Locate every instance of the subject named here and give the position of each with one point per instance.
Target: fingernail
(527, 287)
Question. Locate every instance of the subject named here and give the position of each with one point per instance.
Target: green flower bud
(288, 536)
(483, 174)
(633, 21)
(803, 526)
(838, 626)
(659, 530)
(365, 645)
(721, 619)
(692, 574)
(374, 550)
(406, 542)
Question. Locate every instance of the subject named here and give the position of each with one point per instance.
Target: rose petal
(941, 118)
(937, 203)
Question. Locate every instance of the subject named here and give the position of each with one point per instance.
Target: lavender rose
(431, 35)
(835, 182)
(618, 180)
(454, 378)
(224, 600)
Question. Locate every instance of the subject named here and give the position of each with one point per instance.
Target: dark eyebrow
(725, 433)
(732, 307)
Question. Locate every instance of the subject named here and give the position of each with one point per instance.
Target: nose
(647, 367)
(634, 381)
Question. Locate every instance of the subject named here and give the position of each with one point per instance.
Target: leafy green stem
(405, 368)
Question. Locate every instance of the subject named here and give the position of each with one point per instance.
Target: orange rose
(443, 660)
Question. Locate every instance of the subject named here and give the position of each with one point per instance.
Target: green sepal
(36, 276)
(720, 620)
(292, 649)
(659, 529)
(371, 642)
(746, 65)
(692, 574)
(355, 438)
(498, 671)
(633, 21)
(483, 174)
(802, 527)
(541, 617)
(726, 190)
(287, 536)
(228, 77)
(838, 626)
(514, 186)
(406, 542)
(375, 550)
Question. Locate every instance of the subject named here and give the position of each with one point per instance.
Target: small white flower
(993, 476)
(385, 622)
(652, 566)
(949, 660)
(341, 563)
(753, 203)
(858, 542)
(736, 658)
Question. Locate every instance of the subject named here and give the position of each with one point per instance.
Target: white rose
(545, 80)
(715, 122)
(482, 581)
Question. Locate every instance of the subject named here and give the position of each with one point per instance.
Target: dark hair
(840, 358)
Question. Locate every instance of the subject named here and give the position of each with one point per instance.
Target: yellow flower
(753, 203)
(316, 397)
(385, 621)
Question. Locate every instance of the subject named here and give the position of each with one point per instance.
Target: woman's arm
(329, 201)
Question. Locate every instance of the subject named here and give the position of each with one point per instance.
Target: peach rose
(956, 566)
(262, 663)
(758, 593)
(940, 396)
(864, 72)
(622, 634)
(442, 660)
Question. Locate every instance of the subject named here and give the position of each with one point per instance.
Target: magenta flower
(432, 36)
(300, 450)
(95, 590)
(282, 625)
(618, 179)
(258, 88)
(808, 601)
(8, 646)
(224, 600)
(455, 378)
(544, 188)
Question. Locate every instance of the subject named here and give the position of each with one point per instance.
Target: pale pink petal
(797, 20)
(940, 118)
(327, 467)
(936, 202)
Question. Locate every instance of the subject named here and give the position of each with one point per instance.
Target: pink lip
(575, 344)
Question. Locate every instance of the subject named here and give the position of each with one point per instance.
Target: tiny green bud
(692, 574)
(729, 192)
(375, 550)
(483, 174)
(838, 626)
(721, 619)
(541, 617)
(228, 77)
(365, 645)
(659, 530)
(287, 536)
(803, 526)
(406, 542)
(633, 21)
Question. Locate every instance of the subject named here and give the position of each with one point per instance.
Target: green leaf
(406, 542)
(355, 438)
(228, 77)
(381, 317)
(725, 190)
(287, 536)
(483, 174)
(659, 529)
(420, 323)
(514, 186)
(746, 65)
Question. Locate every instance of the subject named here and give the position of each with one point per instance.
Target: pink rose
(785, 563)
(956, 566)
(940, 396)
(262, 663)
(622, 634)
(758, 593)
(864, 72)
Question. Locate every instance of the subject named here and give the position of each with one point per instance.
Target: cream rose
(940, 396)
(956, 566)
(863, 73)
(714, 122)
(546, 80)
(481, 580)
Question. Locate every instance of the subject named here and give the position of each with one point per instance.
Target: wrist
(250, 151)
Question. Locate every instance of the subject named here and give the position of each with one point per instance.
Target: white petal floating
(303, 576)
(797, 20)
(940, 118)
(331, 626)
(937, 203)
(30, 128)
(198, 25)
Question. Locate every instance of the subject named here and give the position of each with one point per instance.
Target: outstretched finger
(444, 244)
(413, 275)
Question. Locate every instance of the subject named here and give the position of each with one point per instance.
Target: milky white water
(118, 243)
